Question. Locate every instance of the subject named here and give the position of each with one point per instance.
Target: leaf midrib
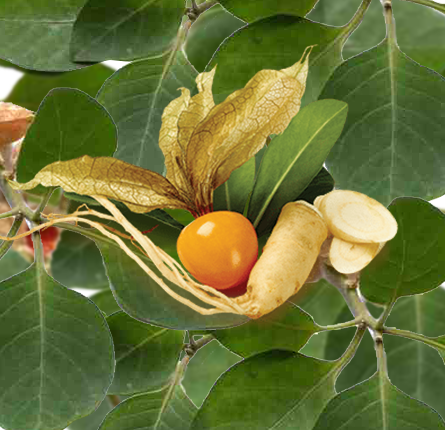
(291, 165)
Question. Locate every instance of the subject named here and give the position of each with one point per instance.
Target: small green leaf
(11, 264)
(105, 302)
(253, 10)
(408, 263)
(32, 88)
(36, 35)
(146, 356)
(135, 96)
(207, 33)
(288, 327)
(293, 159)
(205, 367)
(125, 29)
(374, 404)
(233, 194)
(65, 348)
(289, 389)
(68, 124)
(77, 263)
(393, 131)
(152, 411)
(327, 306)
(254, 48)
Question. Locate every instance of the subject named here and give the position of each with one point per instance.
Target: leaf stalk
(432, 4)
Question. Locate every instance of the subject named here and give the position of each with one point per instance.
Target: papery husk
(140, 189)
(286, 262)
(14, 122)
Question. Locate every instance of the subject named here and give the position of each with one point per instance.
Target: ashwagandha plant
(235, 285)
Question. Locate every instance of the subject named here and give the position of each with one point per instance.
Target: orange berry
(219, 249)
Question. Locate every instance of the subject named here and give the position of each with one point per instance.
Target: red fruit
(49, 238)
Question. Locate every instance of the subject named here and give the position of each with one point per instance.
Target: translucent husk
(282, 269)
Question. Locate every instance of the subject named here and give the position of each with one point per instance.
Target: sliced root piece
(318, 200)
(355, 217)
(348, 257)
(287, 259)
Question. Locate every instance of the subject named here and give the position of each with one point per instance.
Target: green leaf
(207, 33)
(152, 411)
(326, 305)
(105, 301)
(417, 29)
(68, 124)
(288, 327)
(77, 263)
(374, 404)
(252, 10)
(393, 131)
(293, 159)
(254, 48)
(232, 195)
(92, 421)
(322, 184)
(36, 35)
(414, 367)
(32, 88)
(289, 389)
(125, 29)
(11, 264)
(142, 298)
(146, 356)
(135, 96)
(408, 264)
(65, 348)
(205, 367)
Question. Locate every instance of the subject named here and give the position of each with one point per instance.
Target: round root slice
(287, 260)
(355, 217)
(318, 200)
(348, 257)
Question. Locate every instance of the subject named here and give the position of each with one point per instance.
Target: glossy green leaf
(414, 367)
(105, 301)
(32, 88)
(68, 124)
(232, 195)
(146, 356)
(293, 159)
(374, 404)
(181, 215)
(272, 390)
(142, 298)
(254, 48)
(327, 306)
(125, 29)
(393, 130)
(36, 35)
(207, 33)
(417, 29)
(77, 263)
(253, 10)
(287, 327)
(11, 264)
(135, 96)
(408, 264)
(65, 348)
(322, 184)
(152, 411)
(205, 367)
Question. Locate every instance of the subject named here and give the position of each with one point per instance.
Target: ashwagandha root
(286, 262)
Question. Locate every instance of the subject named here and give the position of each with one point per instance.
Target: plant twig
(439, 7)
(389, 21)
(352, 348)
(431, 341)
(381, 357)
(340, 326)
(9, 214)
(355, 21)
(15, 198)
(6, 245)
(381, 321)
(43, 203)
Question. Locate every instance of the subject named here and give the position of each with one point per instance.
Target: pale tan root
(348, 257)
(355, 217)
(318, 200)
(287, 259)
